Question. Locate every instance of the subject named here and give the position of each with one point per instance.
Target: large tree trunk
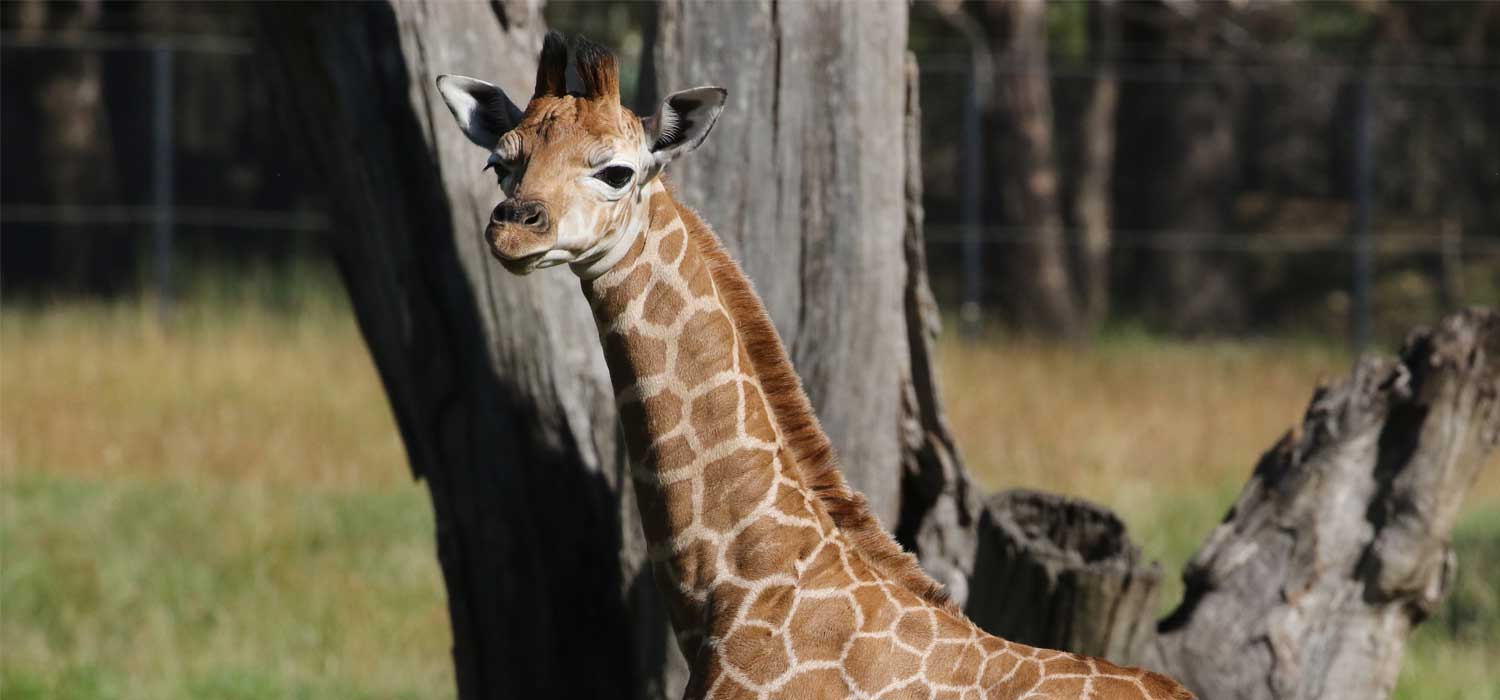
(499, 389)
(502, 399)
(803, 179)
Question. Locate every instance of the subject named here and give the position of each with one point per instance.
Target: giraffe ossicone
(779, 580)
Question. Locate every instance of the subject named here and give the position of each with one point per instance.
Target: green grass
(167, 588)
(223, 510)
(1453, 655)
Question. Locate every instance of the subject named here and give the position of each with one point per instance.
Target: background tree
(1093, 208)
(67, 114)
(1023, 168)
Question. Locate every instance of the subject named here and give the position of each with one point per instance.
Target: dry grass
(1132, 420)
(1120, 421)
(242, 393)
(224, 510)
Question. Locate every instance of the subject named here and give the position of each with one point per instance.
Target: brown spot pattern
(741, 481)
(700, 353)
(750, 632)
(713, 415)
(663, 304)
(822, 626)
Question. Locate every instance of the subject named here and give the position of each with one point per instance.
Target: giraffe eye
(616, 176)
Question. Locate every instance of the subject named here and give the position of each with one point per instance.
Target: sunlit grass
(223, 509)
(226, 391)
(153, 587)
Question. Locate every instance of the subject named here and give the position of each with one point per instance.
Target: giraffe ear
(483, 111)
(682, 122)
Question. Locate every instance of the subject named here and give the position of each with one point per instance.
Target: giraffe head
(573, 166)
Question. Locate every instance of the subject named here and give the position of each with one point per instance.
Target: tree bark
(939, 502)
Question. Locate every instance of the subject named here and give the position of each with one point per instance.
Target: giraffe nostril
(533, 215)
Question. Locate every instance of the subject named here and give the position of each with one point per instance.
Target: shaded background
(202, 483)
(1231, 195)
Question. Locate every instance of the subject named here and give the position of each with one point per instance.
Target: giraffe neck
(721, 501)
(769, 587)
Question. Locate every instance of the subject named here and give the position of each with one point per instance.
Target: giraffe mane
(812, 452)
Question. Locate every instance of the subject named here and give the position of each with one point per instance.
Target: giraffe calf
(779, 580)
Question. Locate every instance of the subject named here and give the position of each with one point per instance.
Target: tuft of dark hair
(598, 69)
(552, 68)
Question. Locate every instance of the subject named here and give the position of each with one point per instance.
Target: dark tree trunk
(502, 400)
(62, 95)
(1091, 201)
(1024, 170)
(1176, 165)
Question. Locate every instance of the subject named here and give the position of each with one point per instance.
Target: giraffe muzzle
(530, 214)
(520, 233)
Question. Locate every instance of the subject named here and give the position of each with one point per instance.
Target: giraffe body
(779, 582)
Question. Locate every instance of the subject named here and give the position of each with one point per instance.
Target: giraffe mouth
(541, 259)
(522, 265)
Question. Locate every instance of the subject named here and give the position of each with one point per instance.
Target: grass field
(223, 511)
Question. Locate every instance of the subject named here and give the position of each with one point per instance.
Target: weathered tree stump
(1337, 547)
(1339, 544)
(1059, 572)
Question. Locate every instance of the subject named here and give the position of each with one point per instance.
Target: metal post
(161, 176)
(1361, 310)
(971, 167)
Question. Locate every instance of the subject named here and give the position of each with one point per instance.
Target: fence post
(161, 176)
(1361, 309)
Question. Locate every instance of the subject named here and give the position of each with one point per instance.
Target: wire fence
(159, 118)
(1390, 180)
(1359, 222)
